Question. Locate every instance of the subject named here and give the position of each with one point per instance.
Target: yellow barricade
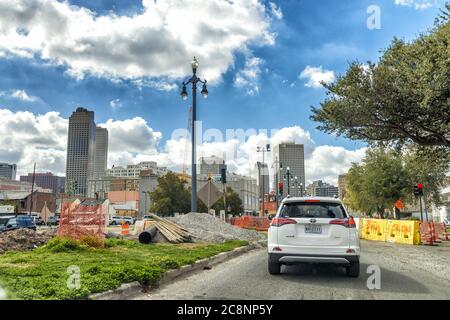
(407, 232)
(374, 229)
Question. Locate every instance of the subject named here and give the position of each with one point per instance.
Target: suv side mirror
(271, 216)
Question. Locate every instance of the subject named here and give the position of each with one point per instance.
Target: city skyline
(141, 106)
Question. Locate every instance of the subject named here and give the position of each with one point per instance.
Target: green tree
(401, 100)
(232, 200)
(378, 182)
(170, 196)
(429, 167)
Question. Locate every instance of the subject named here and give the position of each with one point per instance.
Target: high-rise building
(210, 165)
(263, 178)
(80, 151)
(46, 181)
(8, 171)
(101, 152)
(342, 185)
(321, 189)
(134, 170)
(292, 156)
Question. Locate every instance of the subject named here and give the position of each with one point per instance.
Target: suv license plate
(312, 228)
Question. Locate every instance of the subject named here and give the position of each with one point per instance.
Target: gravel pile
(206, 228)
(24, 239)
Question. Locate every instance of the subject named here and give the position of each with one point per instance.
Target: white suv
(313, 230)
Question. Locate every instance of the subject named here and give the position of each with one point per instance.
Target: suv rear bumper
(287, 258)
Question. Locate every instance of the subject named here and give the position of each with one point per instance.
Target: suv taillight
(278, 222)
(347, 222)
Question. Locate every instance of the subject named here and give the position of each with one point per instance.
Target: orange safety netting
(249, 222)
(79, 220)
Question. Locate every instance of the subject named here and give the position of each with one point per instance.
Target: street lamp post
(264, 149)
(193, 81)
(288, 176)
(296, 185)
(277, 166)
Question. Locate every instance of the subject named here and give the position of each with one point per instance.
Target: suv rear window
(328, 210)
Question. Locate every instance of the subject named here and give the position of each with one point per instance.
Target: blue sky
(325, 34)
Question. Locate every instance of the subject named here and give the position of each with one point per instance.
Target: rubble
(206, 228)
(24, 239)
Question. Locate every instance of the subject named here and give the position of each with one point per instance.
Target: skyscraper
(101, 152)
(80, 151)
(8, 171)
(263, 178)
(293, 156)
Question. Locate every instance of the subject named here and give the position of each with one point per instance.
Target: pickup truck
(17, 222)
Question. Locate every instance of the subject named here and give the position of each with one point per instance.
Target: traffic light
(418, 189)
(223, 173)
(280, 187)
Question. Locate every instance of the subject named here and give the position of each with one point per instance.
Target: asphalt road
(407, 272)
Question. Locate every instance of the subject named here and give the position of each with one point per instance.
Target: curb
(127, 290)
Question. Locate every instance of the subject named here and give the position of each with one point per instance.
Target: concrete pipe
(148, 235)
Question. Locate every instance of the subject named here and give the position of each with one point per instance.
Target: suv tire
(274, 268)
(353, 270)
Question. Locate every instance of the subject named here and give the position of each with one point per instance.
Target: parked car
(147, 218)
(116, 220)
(447, 222)
(19, 222)
(37, 220)
(313, 230)
(53, 221)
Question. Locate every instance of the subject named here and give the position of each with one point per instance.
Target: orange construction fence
(250, 222)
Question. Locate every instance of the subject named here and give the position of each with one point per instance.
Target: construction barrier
(427, 233)
(407, 232)
(374, 229)
(395, 231)
(125, 229)
(80, 220)
(250, 222)
(441, 230)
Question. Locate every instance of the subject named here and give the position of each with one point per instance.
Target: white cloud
(417, 4)
(21, 95)
(115, 104)
(327, 162)
(316, 75)
(276, 11)
(26, 138)
(133, 135)
(158, 41)
(248, 77)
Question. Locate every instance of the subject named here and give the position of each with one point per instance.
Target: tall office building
(293, 156)
(8, 171)
(46, 181)
(263, 178)
(101, 152)
(210, 165)
(80, 151)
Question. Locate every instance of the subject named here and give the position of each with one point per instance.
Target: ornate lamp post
(264, 149)
(193, 81)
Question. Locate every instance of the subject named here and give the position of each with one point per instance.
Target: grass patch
(43, 272)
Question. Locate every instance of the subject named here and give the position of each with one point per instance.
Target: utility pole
(32, 188)
(223, 173)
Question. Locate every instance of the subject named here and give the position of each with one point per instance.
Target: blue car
(18, 222)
